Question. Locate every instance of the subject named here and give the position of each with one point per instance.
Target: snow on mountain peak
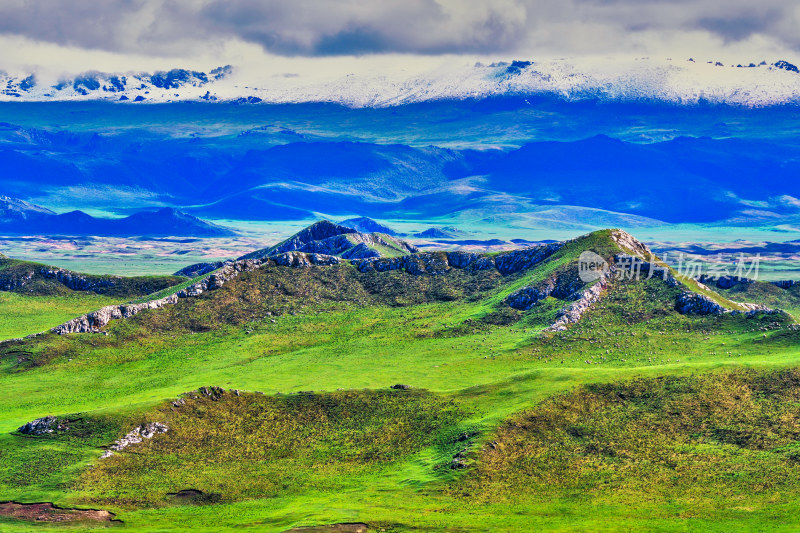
(686, 81)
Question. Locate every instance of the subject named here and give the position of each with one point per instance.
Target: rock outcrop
(80, 282)
(566, 286)
(16, 282)
(22, 274)
(304, 260)
(573, 312)
(435, 263)
(723, 282)
(92, 322)
(524, 259)
(628, 242)
(200, 269)
(137, 435)
(44, 425)
(95, 320)
(692, 303)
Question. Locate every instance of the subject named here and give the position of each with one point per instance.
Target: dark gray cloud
(347, 27)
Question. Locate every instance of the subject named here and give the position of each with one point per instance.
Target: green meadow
(22, 314)
(637, 418)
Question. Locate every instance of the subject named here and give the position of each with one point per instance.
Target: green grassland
(637, 418)
(22, 314)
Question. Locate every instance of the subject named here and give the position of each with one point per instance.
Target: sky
(121, 35)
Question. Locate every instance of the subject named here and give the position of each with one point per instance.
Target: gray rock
(628, 242)
(525, 259)
(691, 303)
(137, 435)
(214, 393)
(92, 322)
(44, 425)
(573, 313)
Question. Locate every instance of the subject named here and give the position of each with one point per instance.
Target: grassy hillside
(710, 452)
(37, 279)
(22, 314)
(767, 294)
(465, 448)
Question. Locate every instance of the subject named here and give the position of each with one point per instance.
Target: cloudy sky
(148, 34)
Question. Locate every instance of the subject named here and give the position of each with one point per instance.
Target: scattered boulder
(193, 497)
(44, 425)
(213, 393)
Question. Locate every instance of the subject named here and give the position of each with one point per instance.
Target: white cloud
(204, 28)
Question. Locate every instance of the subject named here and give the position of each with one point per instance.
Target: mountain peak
(14, 209)
(322, 229)
(629, 243)
(326, 237)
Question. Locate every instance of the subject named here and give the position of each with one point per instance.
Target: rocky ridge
(440, 262)
(586, 299)
(21, 276)
(95, 320)
(565, 286)
(431, 263)
(692, 303)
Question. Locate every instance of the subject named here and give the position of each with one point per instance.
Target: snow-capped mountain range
(685, 81)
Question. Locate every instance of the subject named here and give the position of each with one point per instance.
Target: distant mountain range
(684, 81)
(20, 217)
(598, 181)
(509, 163)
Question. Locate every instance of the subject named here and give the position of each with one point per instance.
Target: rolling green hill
(440, 391)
